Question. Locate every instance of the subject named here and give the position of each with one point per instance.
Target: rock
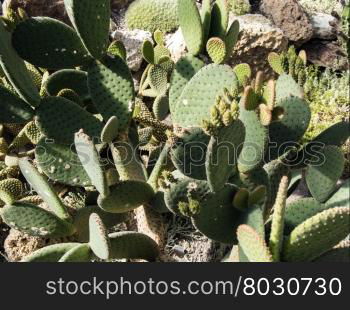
(323, 25)
(258, 37)
(176, 44)
(17, 245)
(133, 40)
(290, 16)
(50, 8)
(326, 54)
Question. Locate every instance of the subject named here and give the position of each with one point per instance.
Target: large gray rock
(133, 40)
(176, 44)
(290, 16)
(323, 25)
(258, 37)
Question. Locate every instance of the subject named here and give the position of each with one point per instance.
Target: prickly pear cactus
(94, 157)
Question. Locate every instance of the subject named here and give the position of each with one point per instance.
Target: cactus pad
(68, 79)
(10, 190)
(49, 254)
(287, 87)
(35, 221)
(336, 135)
(253, 245)
(99, 241)
(112, 89)
(341, 198)
(222, 154)
(161, 107)
(179, 192)
(15, 70)
(243, 73)
(200, 94)
(91, 21)
(110, 130)
(216, 218)
(151, 15)
(157, 78)
(191, 25)
(231, 38)
(13, 109)
(300, 210)
(275, 62)
(61, 50)
(81, 220)
(55, 111)
(126, 196)
(322, 177)
(293, 125)
(43, 188)
(219, 19)
(148, 51)
(317, 235)
(78, 254)
(184, 70)
(216, 49)
(90, 160)
(61, 164)
(133, 245)
(252, 154)
(189, 154)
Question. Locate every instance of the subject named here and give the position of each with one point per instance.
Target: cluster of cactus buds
(290, 63)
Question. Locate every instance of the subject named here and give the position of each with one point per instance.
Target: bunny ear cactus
(91, 21)
(61, 51)
(253, 246)
(277, 226)
(90, 160)
(290, 63)
(15, 69)
(200, 93)
(141, 13)
(112, 89)
(191, 25)
(55, 111)
(99, 241)
(51, 253)
(208, 27)
(43, 188)
(68, 79)
(222, 153)
(322, 176)
(36, 221)
(11, 190)
(78, 254)
(117, 48)
(184, 70)
(60, 163)
(125, 196)
(317, 235)
(133, 245)
(13, 109)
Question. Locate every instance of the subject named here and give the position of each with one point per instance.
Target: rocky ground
(272, 26)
